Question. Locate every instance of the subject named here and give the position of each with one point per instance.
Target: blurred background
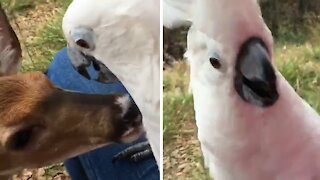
(295, 25)
(38, 26)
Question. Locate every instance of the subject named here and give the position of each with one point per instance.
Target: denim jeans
(97, 164)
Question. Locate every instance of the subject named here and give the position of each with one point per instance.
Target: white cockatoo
(252, 125)
(124, 36)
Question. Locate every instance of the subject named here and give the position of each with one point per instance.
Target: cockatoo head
(229, 43)
(80, 30)
(117, 34)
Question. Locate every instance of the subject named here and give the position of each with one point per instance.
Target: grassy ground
(298, 59)
(38, 26)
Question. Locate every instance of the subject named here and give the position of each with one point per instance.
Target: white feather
(177, 12)
(127, 42)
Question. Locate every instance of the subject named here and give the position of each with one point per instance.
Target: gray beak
(81, 62)
(255, 80)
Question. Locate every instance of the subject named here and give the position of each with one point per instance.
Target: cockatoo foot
(80, 61)
(104, 74)
(135, 153)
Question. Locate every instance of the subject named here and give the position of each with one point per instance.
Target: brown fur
(65, 123)
(27, 89)
(9, 39)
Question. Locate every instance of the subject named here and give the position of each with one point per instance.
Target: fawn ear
(10, 49)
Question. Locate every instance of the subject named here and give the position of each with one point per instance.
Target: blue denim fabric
(97, 165)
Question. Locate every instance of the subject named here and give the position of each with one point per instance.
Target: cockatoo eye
(83, 37)
(215, 62)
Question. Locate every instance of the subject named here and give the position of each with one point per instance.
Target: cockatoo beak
(255, 79)
(81, 61)
(81, 39)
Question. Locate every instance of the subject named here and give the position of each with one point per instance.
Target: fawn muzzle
(42, 124)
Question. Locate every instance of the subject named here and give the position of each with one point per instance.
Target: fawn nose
(131, 124)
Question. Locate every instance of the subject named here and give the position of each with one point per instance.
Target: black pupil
(20, 139)
(215, 63)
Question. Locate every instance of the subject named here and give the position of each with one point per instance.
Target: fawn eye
(20, 139)
(215, 62)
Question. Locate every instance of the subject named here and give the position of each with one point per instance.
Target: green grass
(45, 46)
(178, 120)
(300, 65)
(20, 6)
(180, 107)
(48, 41)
